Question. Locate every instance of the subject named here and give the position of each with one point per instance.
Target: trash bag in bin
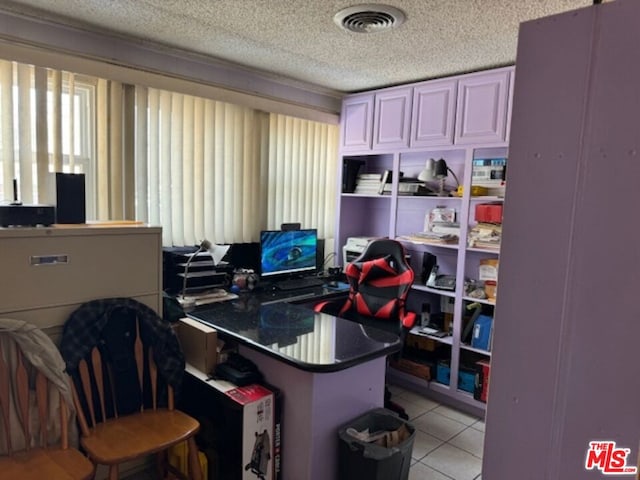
(375, 446)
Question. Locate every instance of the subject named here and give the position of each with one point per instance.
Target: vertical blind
(47, 124)
(210, 169)
(302, 173)
(198, 167)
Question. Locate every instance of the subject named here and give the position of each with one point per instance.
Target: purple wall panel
(562, 367)
(548, 99)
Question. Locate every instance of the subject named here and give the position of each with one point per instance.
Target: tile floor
(448, 443)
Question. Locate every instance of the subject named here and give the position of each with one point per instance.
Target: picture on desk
(288, 251)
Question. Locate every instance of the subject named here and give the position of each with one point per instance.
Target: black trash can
(362, 459)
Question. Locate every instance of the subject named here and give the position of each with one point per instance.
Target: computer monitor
(287, 252)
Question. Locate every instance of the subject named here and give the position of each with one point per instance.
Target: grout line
(436, 470)
(460, 448)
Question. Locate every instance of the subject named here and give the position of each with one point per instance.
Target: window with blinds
(46, 125)
(199, 167)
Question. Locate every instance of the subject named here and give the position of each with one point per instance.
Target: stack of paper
(485, 235)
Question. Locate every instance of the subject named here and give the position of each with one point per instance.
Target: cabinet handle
(37, 260)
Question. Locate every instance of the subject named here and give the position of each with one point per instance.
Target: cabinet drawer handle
(36, 260)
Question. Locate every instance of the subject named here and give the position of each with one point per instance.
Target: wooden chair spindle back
(15, 386)
(4, 401)
(93, 380)
(22, 396)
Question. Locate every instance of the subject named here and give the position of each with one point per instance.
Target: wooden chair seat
(121, 439)
(49, 464)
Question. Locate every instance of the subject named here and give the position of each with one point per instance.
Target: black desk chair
(379, 281)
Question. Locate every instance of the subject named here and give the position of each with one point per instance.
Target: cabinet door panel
(434, 106)
(392, 119)
(357, 123)
(482, 108)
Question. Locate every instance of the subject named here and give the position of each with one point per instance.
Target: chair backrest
(23, 386)
(379, 280)
(122, 358)
(119, 376)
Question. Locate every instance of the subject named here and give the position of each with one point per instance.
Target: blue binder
(482, 329)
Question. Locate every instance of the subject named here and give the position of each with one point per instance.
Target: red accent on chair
(380, 280)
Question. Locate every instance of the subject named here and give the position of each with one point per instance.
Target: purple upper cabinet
(483, 103)
(392, 120)
(357, 122)
(434, 111)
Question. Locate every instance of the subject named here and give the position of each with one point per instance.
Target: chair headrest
(385, 248)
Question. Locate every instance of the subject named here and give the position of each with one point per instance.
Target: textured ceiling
(298, 38)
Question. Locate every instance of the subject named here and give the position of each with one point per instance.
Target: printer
(354, 247)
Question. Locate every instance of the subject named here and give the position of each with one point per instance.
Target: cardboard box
(420, 342)
(258, 422)
(488, 273)
(199, 343)
(420, 370)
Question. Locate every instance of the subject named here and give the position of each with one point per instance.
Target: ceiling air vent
(369, 18)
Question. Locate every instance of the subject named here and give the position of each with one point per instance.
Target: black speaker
(285, 227)
(320, 255)
(428, 262)
(70, 198)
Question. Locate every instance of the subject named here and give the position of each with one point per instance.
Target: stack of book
(368, 184)
(431, 237)
(452, 228)
(485, 235)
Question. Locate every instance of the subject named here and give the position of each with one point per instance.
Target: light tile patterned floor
(448, 443)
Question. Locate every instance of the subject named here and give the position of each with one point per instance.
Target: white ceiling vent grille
(369, 18)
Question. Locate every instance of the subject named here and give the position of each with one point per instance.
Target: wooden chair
(110, 438)
(36, 459)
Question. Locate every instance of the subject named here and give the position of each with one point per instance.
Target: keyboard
(298, 283)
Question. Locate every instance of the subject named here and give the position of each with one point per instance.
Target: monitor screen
(288, 251)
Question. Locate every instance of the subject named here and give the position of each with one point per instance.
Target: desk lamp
(437, 170)
(217, 252)
(426, 175)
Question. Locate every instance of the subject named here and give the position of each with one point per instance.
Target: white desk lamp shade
(217, 252)
(427, 174)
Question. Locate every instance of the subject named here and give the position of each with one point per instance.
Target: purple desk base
(315, 406)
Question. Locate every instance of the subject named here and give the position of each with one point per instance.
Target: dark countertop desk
(329, 370)
(271, 323)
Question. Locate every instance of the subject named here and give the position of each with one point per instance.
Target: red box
(481, 390)
(489, 212)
